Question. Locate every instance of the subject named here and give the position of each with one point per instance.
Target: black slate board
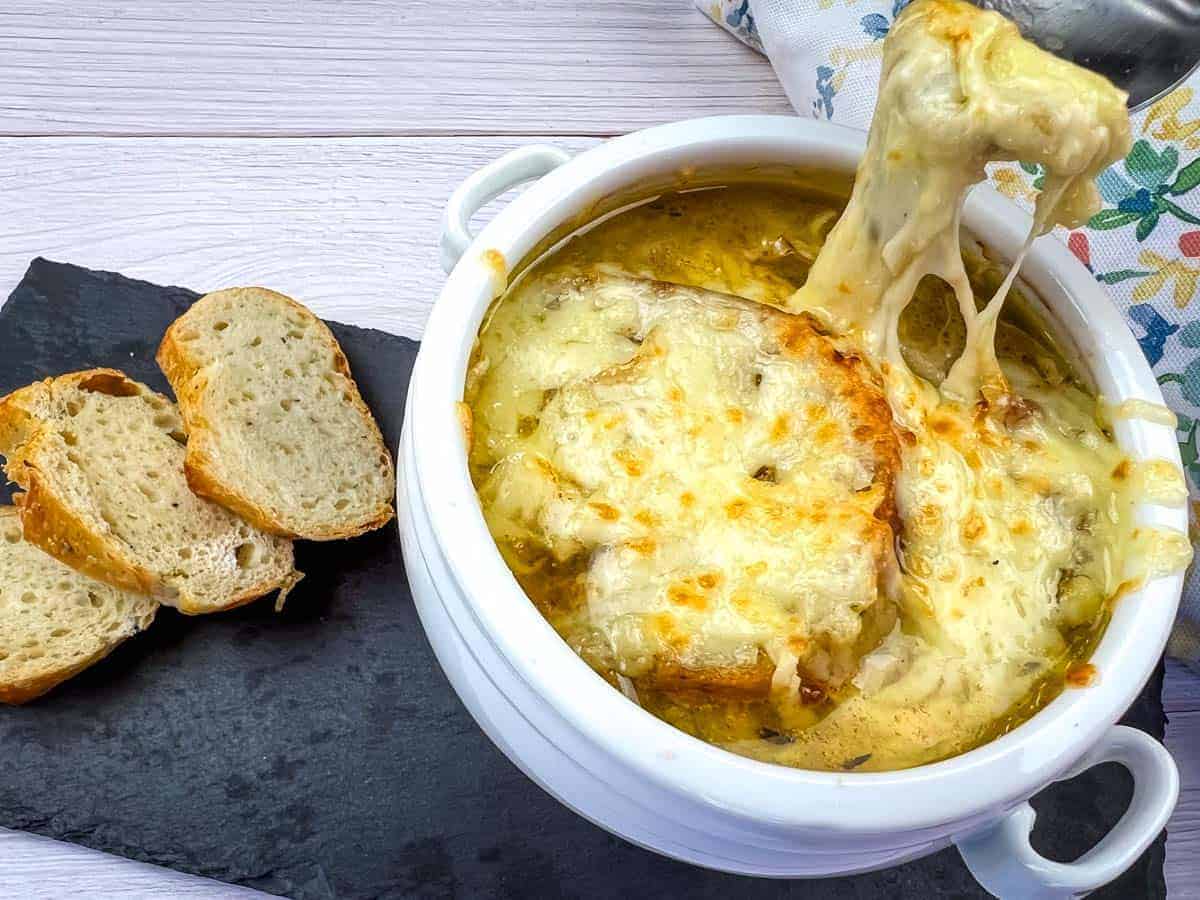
(320, 752)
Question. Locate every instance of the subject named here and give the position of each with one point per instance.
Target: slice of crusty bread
(100, 457)
(55, 622)
(277, 429)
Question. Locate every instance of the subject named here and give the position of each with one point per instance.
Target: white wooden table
(310, 146)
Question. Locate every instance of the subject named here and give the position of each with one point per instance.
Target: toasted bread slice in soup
(54, 621)
(277, 429)
(704, 499)
(100, 458)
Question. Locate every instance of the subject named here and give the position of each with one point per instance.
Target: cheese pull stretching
(959, 88)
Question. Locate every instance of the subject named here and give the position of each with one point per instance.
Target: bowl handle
(511, 169)
(1003, 861)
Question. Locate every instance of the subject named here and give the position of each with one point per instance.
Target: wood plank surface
(347, 225)
(38, 868)
(238, 67)
(1181, 700)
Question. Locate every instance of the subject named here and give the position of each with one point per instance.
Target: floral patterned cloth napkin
(1144, 245)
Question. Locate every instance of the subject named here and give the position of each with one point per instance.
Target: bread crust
(50, 523)
(198, 470)
(188, 380)
(23, 690)
(249, 595)
(51, 526)
(733, 682)
(47, 522)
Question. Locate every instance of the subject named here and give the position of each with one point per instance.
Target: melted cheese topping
(713, 464)
(703, 506)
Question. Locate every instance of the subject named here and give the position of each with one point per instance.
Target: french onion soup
(766, 463)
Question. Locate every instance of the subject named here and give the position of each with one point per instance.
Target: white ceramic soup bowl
(636, 776)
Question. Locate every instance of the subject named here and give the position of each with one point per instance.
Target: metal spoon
(1145, 47)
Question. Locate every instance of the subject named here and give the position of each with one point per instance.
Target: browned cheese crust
(872, 426)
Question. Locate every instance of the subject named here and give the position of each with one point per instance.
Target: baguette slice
(100, 457)
(277, 430)
(55, 622)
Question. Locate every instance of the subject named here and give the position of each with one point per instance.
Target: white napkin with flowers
(1144, 245)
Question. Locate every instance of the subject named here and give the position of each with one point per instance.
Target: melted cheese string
(978, 367)
(959, 88)
(1135, 408)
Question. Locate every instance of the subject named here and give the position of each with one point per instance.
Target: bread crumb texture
(278, 431)
(54, 622)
